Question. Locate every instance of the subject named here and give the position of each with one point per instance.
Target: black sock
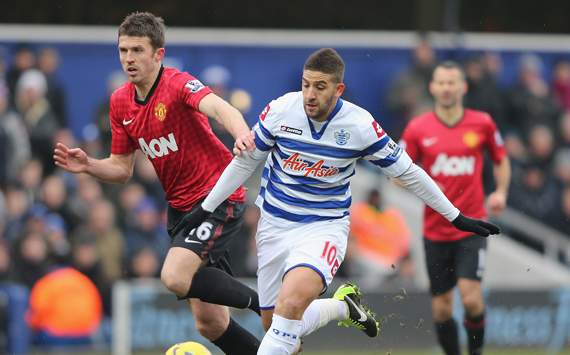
(475, 327)
(216, 286)
(237, 340)
(448, 337)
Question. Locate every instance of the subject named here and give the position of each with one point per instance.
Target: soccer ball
(188, 348)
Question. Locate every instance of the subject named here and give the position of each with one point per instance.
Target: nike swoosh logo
(363, 315)
(188, 240)
(429, 141)
(126, 123)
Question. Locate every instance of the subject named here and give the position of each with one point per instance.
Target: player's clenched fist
(70, 159)
(191, 220)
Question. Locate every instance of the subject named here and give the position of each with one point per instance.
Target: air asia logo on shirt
(159, 147)
(160, 111)
(342, 136)
(295, 163)
(453, 166)
(194, 86)
(379, 131)
(292, 130)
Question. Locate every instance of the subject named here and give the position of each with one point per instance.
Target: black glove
(191, 220)
(476, 226)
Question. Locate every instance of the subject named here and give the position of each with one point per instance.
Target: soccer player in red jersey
(163, 112)
(449, 143)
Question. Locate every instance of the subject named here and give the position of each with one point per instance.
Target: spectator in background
(41, 122)
(144, 264)
(563, 137)
(15, 140)
(484, 93)
(561, 84)
(65, 308)
(382, 238)
(17, 204)
(535, 193)
(31, 258)
(24, 59)
(87, 259)
(146, 231)
(54, 195)
(48, 64)
(109, 240)
(541, 146)
(408, 95)
(31, 177)
(530, 100)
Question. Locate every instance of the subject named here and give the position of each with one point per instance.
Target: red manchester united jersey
(177, 138)
(453, 157)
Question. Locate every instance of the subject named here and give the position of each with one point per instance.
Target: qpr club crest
(342, 136)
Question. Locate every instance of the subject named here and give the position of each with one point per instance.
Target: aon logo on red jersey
(159, 147)
(453, 166)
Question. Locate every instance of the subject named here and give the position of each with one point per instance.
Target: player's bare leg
(211, 319)
(474, 322)
(445, 325)
(178, 270)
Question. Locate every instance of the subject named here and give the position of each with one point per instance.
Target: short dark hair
(328, 61)
(450, 64)
(144, 24)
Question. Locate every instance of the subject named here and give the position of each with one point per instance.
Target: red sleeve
(190, 90)
(409, 141)
(494, 141)
(121, 143)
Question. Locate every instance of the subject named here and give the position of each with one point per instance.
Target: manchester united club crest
(471, 139)
(160, 111)
(341, 136)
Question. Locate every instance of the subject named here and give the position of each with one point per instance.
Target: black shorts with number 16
(212, 238)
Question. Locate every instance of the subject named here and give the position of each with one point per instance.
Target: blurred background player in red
(162, 112)
(449, 143)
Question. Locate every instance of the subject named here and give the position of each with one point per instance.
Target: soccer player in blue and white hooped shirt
(310, 142)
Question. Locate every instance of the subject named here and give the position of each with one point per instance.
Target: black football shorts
(448, 261)
(212, 238)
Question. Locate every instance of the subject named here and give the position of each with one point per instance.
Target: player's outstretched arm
(115, 169)
(418, 181)
(235, 175)
(231, 119)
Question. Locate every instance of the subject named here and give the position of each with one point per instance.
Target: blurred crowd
(51, 220)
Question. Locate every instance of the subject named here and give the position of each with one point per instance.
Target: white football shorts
(283, 245)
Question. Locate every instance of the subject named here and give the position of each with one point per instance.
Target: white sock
(282, 338)
(320, 312)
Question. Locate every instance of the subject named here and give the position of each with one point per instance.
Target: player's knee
(174, 283)
(473, 304)
(442, 311)
(291, 307)
(211, 328)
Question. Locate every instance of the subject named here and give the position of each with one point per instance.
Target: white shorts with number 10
(283, 245)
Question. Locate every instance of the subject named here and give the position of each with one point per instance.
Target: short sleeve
(266, 127)
(494, 141)
(409, 142)
(121, 142)
(190, 90)
(382, 151)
